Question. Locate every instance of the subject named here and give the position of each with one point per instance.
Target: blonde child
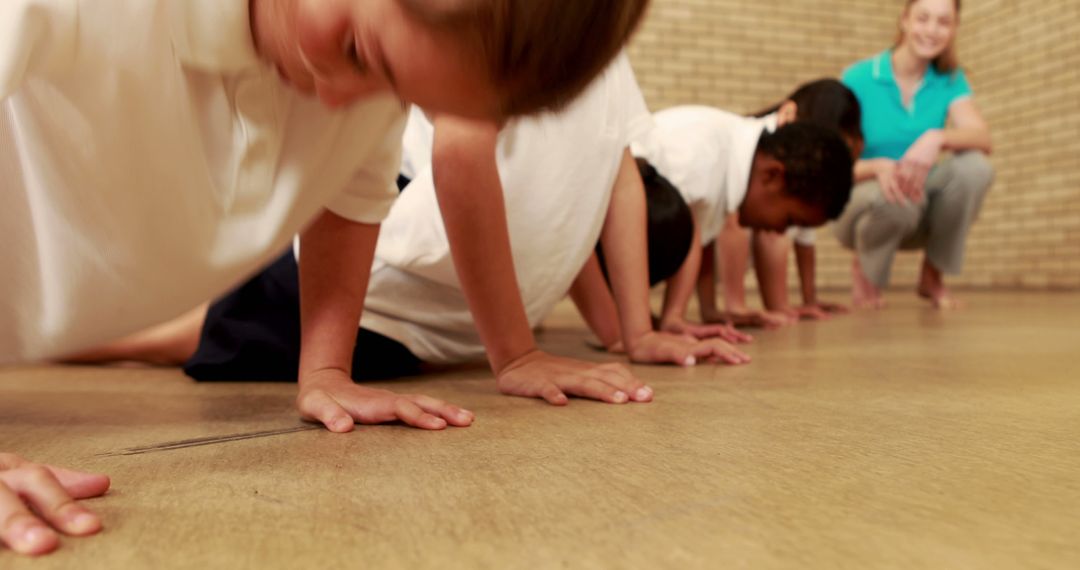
(149, 170)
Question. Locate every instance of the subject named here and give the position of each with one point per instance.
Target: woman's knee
(975, 170)
(891, 219)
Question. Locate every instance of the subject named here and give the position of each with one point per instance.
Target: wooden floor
(899, 439)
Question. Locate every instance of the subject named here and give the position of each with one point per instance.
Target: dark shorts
(253, 334)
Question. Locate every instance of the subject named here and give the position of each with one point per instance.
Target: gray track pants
(876, 229)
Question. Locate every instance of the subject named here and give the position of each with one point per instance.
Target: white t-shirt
(416, 144)
(150, 161)
(557, 173)
(707, 154)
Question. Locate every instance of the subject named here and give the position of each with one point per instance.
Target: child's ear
(789, 111)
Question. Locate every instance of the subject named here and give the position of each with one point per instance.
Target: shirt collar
(745, 138)
(882, 70)
(771, 122)
(213, 35)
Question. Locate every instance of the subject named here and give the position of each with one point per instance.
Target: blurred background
(1022, 58)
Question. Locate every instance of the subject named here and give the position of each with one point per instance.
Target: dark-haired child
(731, 168)
(829, 103)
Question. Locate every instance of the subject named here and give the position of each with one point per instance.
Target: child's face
(343, 51)
(768, 206)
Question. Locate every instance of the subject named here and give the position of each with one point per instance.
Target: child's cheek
(321, 29)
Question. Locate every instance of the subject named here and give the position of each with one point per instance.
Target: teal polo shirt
(889, 126)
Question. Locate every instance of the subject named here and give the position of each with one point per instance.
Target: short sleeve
(636, 118)
(371, 192)
(37, 37)
(417, 143)
(959, 88)
(850, 77)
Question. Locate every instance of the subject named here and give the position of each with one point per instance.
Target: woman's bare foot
(932, 288)
(864, 295)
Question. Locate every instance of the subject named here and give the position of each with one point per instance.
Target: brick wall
(1023, 60)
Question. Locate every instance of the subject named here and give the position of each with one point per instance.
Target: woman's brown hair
(540, 53)
(948, 61)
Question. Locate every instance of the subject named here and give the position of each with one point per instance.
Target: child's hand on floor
(541, 375)
(722, 331)
(757, 319)
(834, 308)
(811, 313)
(684, 350)
(818, 311)
(331, 398)
(51, 492)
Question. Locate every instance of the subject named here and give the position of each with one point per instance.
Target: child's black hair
(670, 225)
(817, 164)
(827, 102)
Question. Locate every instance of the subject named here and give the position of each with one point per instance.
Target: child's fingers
(452, 414)
(43, 491)
(618, 374)
(618, 368)
(705, 331)
(81, 485)
(318, 406)
(20, 530)
(728, 333)
(625, 382)
(735, 335)
(553, 395)
(594, 389)
(10, 461)
(723, 352)
(678, 353)
(412, 414)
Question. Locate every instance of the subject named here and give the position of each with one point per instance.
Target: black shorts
(253, 334)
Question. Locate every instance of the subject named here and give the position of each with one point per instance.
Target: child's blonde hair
(541, 53)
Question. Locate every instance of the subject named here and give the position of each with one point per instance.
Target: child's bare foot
(932, 288)
(864, 295)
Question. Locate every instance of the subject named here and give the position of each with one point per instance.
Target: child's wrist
(499, 366)
(323, 374)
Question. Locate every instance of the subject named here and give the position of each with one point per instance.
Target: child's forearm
(626, 251)
(805, 258)
(593, 299)
(681, 286)
(770, 266)
(471, 200)
(734, 243)
(335, 264)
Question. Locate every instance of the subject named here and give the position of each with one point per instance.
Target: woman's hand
(914, 167)
(885, 170)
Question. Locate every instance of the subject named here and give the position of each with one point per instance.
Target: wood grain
(899, 439)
